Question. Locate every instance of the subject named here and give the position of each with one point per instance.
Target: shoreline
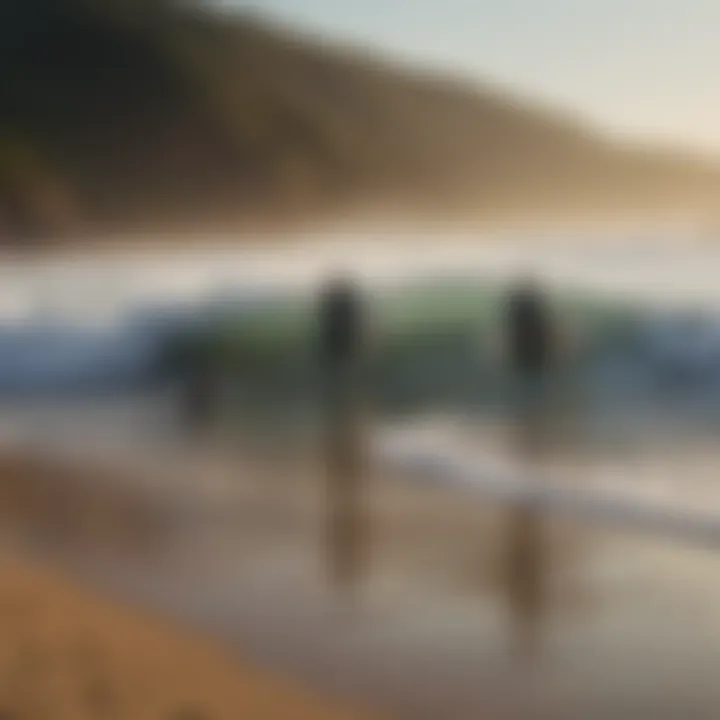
(429, 638)
(268, 237)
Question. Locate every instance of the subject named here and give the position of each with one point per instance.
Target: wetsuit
(530, 333)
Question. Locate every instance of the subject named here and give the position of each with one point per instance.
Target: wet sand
(67, 654)
(230, 544)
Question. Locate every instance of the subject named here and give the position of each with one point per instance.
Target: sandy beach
(68, 654)
(230, 545)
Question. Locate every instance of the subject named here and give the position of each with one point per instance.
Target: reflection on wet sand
(228, 536)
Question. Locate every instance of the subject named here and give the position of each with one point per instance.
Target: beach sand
(66, 654)
(424, 539)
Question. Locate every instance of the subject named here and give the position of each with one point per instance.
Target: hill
(116, 114)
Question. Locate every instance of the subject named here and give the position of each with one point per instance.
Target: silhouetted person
(530, 354)
(530, 332)
(186, 360)
(340, 321)
(341, 336)
(201, 399)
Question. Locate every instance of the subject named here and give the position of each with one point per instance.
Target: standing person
(531, 334)
(187, 361)
(531, 349)
(341, 320)
(201, 398)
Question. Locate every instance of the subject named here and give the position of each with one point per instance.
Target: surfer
(340, 322)
(530, 353)
(186, 359)
(530, 332)
(341, 337)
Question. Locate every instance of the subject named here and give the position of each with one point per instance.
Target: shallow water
(641, 373)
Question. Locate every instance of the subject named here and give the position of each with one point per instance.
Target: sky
(648, 68)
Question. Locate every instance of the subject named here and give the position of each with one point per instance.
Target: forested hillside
(123, 114)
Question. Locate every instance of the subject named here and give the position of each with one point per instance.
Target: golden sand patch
(66, 655)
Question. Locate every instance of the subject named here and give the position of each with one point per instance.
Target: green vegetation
(152, 112)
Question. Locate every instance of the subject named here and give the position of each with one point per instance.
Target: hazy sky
(649, 66)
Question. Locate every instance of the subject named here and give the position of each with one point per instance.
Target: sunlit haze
(644, 68)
